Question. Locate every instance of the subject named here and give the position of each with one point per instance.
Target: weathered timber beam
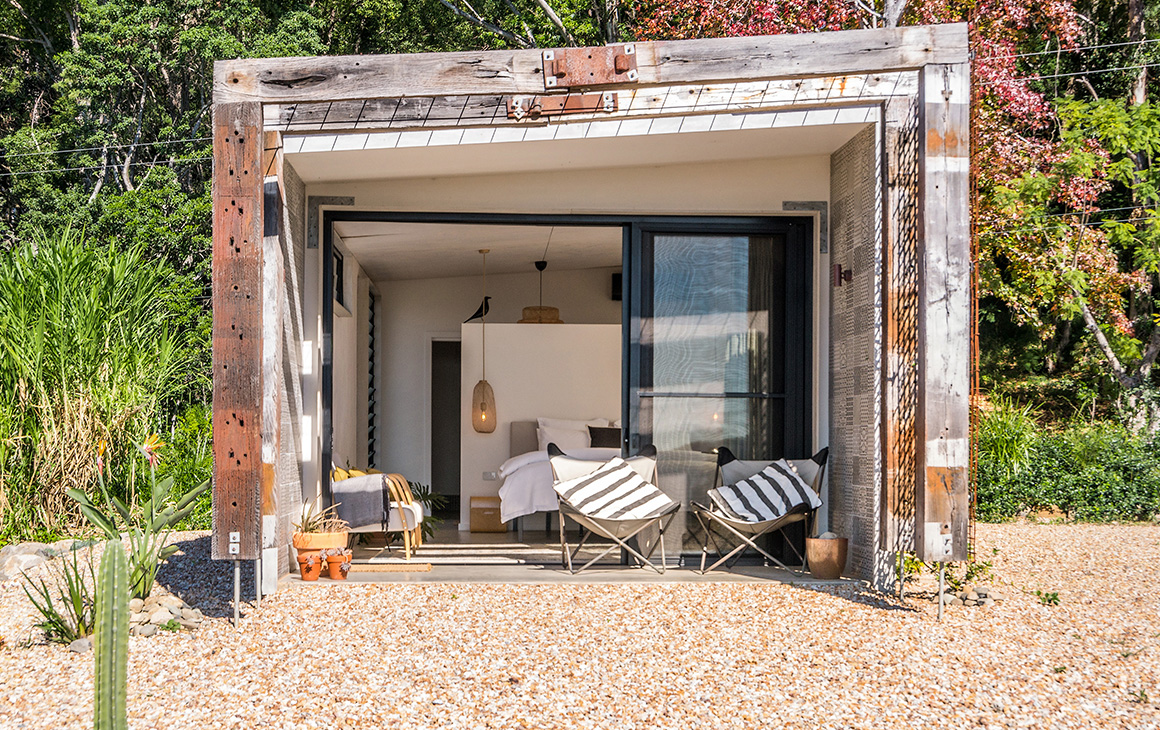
(477, 110)
(273, 294)
(942, 427)
(349, 78)
(237, 330)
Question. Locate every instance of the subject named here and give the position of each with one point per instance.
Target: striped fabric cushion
(613, 491)
(767, 495)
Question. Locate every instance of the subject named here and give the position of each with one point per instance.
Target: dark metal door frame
(632, 227)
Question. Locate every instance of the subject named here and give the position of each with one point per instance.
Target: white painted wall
(750, 187)
(549, 370)
(413, 313)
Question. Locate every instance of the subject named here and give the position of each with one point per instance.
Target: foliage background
(104, 126)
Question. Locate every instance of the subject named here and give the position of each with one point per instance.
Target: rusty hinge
(600, 66)
(519, 107)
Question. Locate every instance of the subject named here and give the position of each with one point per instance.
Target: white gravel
(639, 656)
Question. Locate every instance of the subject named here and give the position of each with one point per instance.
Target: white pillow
(565, 438)
(570, 424)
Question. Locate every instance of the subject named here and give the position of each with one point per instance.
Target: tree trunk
(1135, 35)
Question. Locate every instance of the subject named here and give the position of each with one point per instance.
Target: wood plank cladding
(482, 110)
(347, 78)
(944, 354)
(237, 330)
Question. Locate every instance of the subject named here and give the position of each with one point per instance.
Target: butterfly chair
(615, 499)
(755, 498)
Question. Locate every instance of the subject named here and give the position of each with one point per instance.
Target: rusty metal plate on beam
(535, 107)
(600, 66)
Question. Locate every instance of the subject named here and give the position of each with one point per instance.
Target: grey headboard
(523, 437)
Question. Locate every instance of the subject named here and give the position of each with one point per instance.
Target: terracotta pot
(827, 558)
(310, 564)
(319, 540)
(334, 565)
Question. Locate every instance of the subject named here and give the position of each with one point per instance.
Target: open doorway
(446, 373)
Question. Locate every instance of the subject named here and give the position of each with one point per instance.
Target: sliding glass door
(719, 345)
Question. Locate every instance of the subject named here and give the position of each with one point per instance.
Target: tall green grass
(88, 355)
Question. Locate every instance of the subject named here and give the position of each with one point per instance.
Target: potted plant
(337, 562)
(826, 555)
(316, 531)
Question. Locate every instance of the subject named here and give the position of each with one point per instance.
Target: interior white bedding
(527, 481)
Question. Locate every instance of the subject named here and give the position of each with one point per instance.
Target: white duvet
(527, 481)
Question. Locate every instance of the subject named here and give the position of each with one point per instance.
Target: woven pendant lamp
(482, 397)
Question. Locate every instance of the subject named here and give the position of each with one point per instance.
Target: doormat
(391, 568)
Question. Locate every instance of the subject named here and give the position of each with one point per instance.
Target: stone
(190, 614)
(983, 591)
(986, 601)
(138, 618)
(136, 605)
(188, 624)
(146, 630)
(18, 562)
(956, 601)
(970, 602)
(80, 646)
(160, 616)
(171, 602)
(971, 596)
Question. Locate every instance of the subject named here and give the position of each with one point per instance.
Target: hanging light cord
(544, 258)
(483, 317)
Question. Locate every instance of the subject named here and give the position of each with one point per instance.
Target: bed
(527, 475)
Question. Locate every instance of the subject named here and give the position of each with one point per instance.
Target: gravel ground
(638, 656)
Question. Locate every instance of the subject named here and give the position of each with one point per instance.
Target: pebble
(160, 616)
(636, 654)
(81, 645)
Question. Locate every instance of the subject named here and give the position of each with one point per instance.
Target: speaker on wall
(617, 284)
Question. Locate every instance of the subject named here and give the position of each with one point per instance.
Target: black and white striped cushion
(771, 493)
(614, 491)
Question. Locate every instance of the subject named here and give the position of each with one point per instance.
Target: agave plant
(314, 519)
(149, 528)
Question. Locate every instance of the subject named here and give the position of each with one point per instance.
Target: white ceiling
(396, 251)
(354, 157)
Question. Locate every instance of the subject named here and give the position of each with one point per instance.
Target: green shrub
(188, 460)
(1098, 472)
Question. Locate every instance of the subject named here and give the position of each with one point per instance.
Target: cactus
(111, 655)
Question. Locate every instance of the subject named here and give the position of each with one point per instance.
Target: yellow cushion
(373, 471)
(339, 474)
(357, 473)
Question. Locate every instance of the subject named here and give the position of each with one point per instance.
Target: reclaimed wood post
(273, 294)
(237, 330)
(942, 427)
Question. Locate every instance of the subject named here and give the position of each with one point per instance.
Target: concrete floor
(465, 557)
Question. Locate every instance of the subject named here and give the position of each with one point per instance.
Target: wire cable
(109, 147)
(1071, 50)
(100, 167)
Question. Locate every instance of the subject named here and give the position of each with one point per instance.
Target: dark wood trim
(237, 330)
(717, 60)
(326, 418)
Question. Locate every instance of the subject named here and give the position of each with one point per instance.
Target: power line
(109, 147)
(1072, 50)
(1073, 225)
(100, 167)
(988, 82)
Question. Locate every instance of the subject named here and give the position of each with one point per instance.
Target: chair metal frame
(749, 532)
(619, 531)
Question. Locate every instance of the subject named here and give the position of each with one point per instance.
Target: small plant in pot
(337, 562)
(316, 531)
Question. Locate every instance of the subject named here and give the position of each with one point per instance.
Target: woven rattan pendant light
(483, 398)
